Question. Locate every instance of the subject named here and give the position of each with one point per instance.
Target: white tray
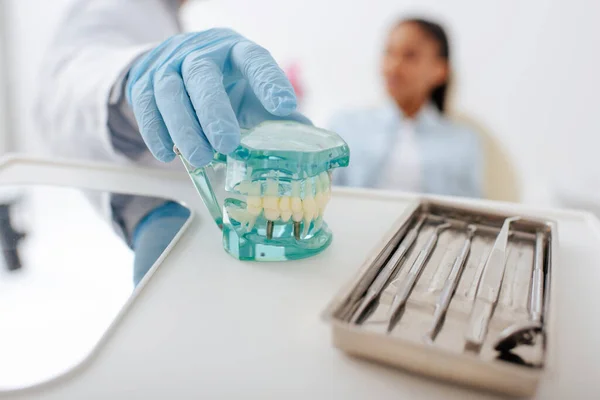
(203, 325)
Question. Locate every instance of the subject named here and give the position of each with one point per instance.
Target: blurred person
(121, 83)
(410, 144)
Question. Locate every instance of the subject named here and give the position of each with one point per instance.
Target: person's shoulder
(357, 116)
(461, 129)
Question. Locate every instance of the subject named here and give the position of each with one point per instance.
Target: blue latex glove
(196, 91)
(153, 234)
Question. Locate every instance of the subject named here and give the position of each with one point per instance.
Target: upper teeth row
(308, 208)
(294, 188)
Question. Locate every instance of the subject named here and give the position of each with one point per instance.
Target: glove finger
(204, 84)
(268, 81)
(295, 116)
(249, 119)
(150, 122)
(250, 112)
(180, 118)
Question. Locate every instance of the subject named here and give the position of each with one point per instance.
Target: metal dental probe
(354, 301)
(488, 290)
(443, 301)
(371, 299)
(405, 288)
(524, 333)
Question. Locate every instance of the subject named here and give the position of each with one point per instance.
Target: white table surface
(208, 326)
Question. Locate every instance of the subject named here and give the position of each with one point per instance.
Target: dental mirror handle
(404, 291)
(537, 290)
(488, 289)
(445, 297)
(391, 267)
(386, 273)
(203, 187)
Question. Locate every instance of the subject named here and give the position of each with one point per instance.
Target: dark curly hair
(437, 33)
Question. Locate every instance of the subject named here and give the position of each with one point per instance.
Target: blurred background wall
(5, 113)
(526, 70)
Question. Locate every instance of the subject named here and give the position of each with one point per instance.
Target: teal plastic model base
(254, 246)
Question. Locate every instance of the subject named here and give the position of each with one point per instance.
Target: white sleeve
(84, 69)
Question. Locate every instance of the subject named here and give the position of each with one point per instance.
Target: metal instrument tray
(365, 330)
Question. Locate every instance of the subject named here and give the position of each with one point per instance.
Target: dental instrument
(443, 301)
(488, 290)
(524, 333)
(371, 299)
(407, 285)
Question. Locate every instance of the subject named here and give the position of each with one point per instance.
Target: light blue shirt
(450, 155)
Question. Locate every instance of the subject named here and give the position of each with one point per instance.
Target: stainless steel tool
(525, 333)
(488, 290)
(378, 264)
(443, 301)
(406, 286)
(371, 299)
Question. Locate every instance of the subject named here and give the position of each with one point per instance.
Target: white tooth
(254, 189)
(286, 215)
(325, 180)
(272, 187)
(284, 203)
(320, 200)
(321, 212)
(296, 204)
(318, 222)
(251, 222)
(254, 201)
(308, 192)
(307, 221)
(271, 214)
(271, 202)
(296, 189)
(238, 214)
(317, 184)
(309, 206)
(244, 187)
(325, 200)
(254, 211)
(297, 216)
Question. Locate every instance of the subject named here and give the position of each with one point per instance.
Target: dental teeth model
(304, 205)
(277, 187)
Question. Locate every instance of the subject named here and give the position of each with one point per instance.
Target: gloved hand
(196, 90)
